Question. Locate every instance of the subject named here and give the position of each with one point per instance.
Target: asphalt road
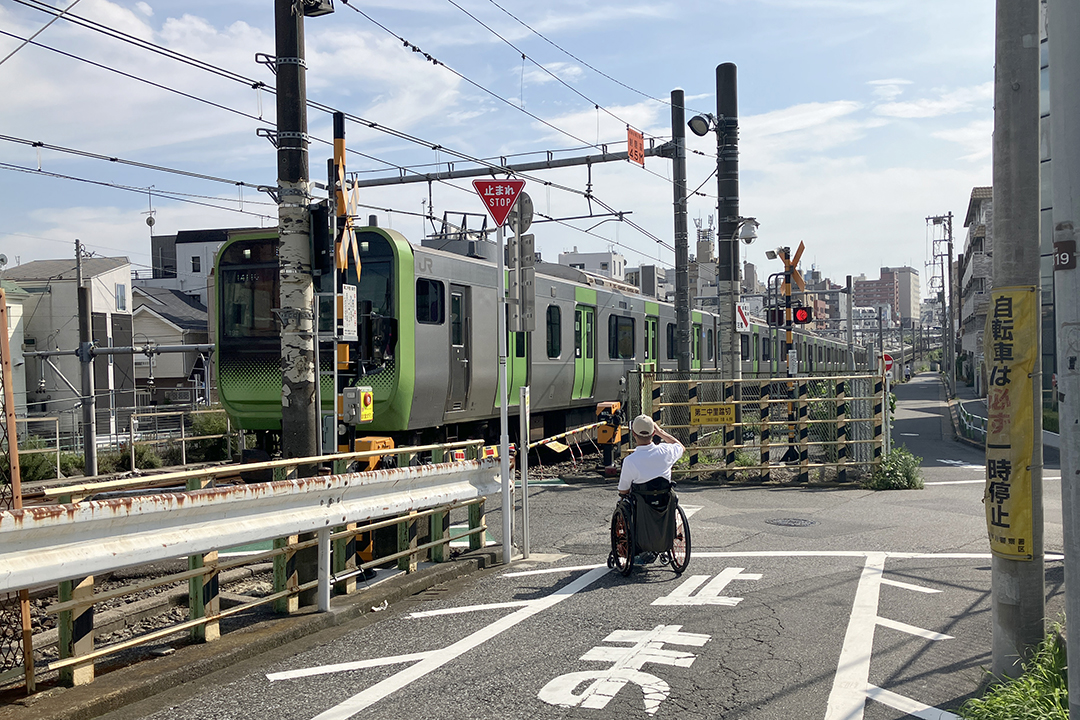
(858, 604)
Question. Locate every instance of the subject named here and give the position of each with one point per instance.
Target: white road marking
(648, 648)
(710, 594)
(957, 482)
(907, 705)
(469, 609)
(910, 434)
(848, 697)
(548, 571)
(369, 696)
(912, 630)
(908, 586)
(344, 667)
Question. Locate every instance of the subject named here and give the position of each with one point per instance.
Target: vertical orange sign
(1011, 344)
(635, 146)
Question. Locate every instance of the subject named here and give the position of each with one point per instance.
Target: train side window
(554, 331)
(744, 346)
(430, 308)
(672, 343)
(457, 321)
(766, 348)
(620, 337)
(710, 343)
(577, 334)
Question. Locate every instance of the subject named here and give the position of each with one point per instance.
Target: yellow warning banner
(712, 414)
(1011, 348)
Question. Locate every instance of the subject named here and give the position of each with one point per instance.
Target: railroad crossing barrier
(834, 426)
(66, 544)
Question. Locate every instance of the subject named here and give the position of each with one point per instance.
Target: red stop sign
(888, 362)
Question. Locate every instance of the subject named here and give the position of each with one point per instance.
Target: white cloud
(947, 102)
(976, 137)
(145, 9)
(567, 72)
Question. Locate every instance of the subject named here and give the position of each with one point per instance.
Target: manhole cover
(791, 522)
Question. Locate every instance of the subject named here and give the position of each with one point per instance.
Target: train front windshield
(249, 290)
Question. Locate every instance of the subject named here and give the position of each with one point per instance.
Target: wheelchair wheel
(622, 541)
(680, 548)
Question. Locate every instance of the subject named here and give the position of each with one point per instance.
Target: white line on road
(437, 659)
(548, 571)
(907, 705)
(956, 482)
(344, 667)
(848, 697)
(912, 630)
(469, 608)
(908, 586)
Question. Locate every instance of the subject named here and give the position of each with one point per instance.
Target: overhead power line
(43, 28)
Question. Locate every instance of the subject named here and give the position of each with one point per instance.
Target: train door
(460, 348)
(652, 342)
(584, 351)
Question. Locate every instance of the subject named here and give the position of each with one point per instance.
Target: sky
(858, 119)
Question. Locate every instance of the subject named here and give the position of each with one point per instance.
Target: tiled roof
(175, 306)
(63, 269)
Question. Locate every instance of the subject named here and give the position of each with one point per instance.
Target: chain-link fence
(800, 428)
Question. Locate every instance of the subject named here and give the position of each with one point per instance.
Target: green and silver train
(428, 339)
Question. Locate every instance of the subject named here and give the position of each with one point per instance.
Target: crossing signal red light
(802, 315)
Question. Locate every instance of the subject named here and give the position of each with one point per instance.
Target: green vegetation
(42, 466)
(1050, 420)
(1042, 692)
(899, 470)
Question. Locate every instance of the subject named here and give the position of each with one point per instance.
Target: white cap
(643, 425)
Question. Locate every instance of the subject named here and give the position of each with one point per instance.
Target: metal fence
(831, 428)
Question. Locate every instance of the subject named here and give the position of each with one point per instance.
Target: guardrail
(68, 543)
(973, 427)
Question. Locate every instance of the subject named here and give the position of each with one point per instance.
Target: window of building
(620, 338)
(121, 296)
(554, 331)
(196, 264)
(430, 309)
(578, 266)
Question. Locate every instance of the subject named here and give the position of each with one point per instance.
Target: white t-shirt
(648, 462)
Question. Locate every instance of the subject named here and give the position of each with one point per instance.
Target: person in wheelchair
(647, 470)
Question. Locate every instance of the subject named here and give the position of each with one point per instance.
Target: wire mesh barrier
(798, 428)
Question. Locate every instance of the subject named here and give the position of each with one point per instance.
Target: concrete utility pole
(682, 249)
(1018, 606)
(299, 406)
(1065, 139)
(86, 367)
(727, 186)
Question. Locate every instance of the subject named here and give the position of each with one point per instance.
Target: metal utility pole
(948, 299)
(850, 326)
(728, 220)
(299, 405)
(86, 368)
(682, 251)
(953, 310)
(1018, 605)
(1064, 126)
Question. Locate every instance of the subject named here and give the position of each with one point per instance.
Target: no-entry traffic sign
(499, 197)
(888, 362)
